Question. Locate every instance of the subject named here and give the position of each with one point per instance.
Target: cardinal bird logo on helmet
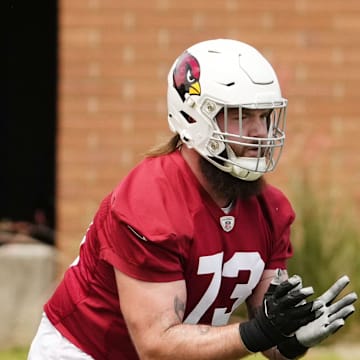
(187, 75)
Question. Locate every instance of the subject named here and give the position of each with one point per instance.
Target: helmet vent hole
(188, 118)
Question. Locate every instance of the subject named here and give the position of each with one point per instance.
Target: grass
(14, 354)
(343, 351)
(320, 353)
(317, 356)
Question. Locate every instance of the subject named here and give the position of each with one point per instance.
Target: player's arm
(154, 313)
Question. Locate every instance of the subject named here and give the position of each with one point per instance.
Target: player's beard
(228, 186)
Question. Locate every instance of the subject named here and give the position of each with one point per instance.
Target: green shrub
(326, 241)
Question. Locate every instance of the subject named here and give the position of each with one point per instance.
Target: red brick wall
(114, 58)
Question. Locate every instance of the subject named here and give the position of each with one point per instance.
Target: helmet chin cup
(248, 169)
(239, 172)
(245, 175)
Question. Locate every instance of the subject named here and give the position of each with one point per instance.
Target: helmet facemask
(266, 150)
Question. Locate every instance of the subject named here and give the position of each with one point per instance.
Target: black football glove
(282, 313)
(332, 319)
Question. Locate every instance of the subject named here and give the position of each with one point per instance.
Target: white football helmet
(216, 75)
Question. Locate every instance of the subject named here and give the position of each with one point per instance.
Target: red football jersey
(159, 224)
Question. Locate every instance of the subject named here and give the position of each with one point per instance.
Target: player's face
(253, 124)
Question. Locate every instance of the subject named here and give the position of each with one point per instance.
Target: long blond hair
(167, 147)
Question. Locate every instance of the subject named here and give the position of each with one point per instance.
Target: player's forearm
(196, 342)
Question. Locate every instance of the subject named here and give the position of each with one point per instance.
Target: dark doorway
(28, 114)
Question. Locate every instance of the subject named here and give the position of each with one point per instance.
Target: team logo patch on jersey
(227, 223)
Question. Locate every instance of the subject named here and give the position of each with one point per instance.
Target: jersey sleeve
(280, 216)
(140, 257)
(149, 224)
(282, 250)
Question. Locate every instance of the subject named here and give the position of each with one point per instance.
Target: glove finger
(299, 312)
(307, 319)
(329, 295)
(313, 309)
(295, 297)
(334, 326)
(301, 315)
(286, 286)
(346, 300)
(342, 314)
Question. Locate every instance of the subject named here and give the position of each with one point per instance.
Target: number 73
(213, 264)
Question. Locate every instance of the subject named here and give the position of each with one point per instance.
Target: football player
(194, 231)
